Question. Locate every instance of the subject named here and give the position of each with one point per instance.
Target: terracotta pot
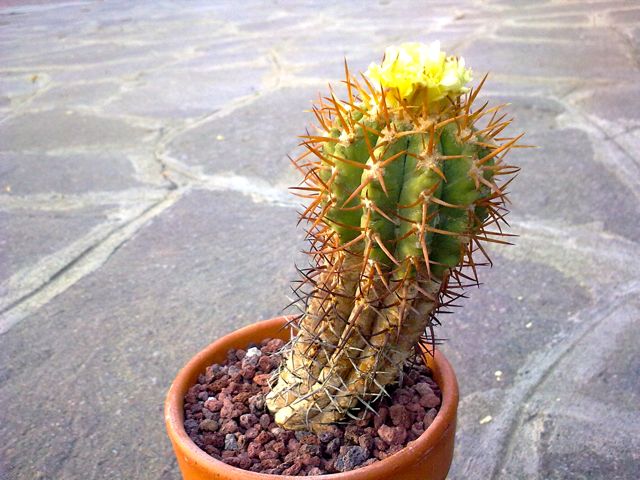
(428, 458)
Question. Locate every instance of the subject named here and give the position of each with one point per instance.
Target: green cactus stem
(405, 182)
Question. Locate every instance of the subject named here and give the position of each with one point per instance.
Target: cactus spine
(404, 182)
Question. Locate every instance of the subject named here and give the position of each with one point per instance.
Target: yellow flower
(416, 72)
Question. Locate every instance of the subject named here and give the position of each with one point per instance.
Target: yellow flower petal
(417, 71)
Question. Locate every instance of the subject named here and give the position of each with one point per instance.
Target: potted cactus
(404, 182)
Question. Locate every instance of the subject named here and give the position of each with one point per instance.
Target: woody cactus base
(405, 181)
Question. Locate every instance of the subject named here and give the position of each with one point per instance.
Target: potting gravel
(226, 416)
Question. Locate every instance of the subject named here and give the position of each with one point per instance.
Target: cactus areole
(404, 182)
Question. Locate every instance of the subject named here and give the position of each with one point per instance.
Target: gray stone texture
(144, 213)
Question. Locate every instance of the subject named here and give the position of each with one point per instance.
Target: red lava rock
(417, 429)
(214, 439)
(415, 408)
(333, 446)
(310, 460)
(263, 438)
(280, 448)
(423, 389)
(248, 420)
(309, 439)
(400, 416)
(379, 444)
(270, 463)
(209, 425)
(248, 372)
(226, 454)
(293, 444)
(230, 426)
(262, 379)
(213, 451)
(272, 346)
(264, 364)
(293, 469)
(265, 421)
(309, 449)
(241, 398)
(352, 433)
(254, 449)
(394, 449)
(402, 396)
(256, 403)
(392, 435)
(364, 420)
(430, 401)
(251, 433)
(351, 457)
(267, 454)
(226, 416)
(378, 420)
(429, 417)
(366, 441)
(291, 457)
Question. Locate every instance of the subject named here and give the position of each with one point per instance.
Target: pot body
(427, 458)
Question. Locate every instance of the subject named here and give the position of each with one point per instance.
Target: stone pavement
(144, 212)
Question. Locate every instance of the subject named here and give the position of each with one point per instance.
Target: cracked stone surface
(144, 212)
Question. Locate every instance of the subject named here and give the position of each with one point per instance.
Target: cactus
(405, 181)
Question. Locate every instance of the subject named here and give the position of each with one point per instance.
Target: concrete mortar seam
(82, 265)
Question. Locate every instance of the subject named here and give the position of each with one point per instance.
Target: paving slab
(30, 235)
(57, 129)
(26, 174)
(254, 141)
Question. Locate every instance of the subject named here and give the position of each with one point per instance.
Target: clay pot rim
(174, 417)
